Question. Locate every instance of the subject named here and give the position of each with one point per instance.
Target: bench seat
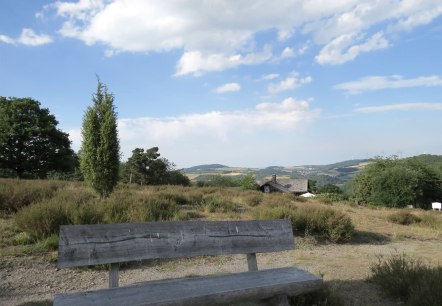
(208, 290)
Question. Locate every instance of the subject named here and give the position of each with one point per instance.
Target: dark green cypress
(100, 150)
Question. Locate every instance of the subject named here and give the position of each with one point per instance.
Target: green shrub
(324, 222)
(404, 218)
(408, 279)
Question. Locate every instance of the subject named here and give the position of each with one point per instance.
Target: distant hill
(336, 173)
(205, 168)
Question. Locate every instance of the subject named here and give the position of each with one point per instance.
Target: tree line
(32, 146)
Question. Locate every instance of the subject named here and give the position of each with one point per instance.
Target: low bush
(42, 219)
(312, 220)
(408, 279)
(16, 194)
(404, 218)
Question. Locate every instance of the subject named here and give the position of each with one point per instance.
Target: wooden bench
(84, 245)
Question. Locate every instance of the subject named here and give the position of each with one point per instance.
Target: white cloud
(6, 39)
(342, 49)
(217, 128)
(401, 107)
(371, 83)
(270, 76)
(196, 63)
(208, 31)
(287, 53)
(28, 38)
(229, 87)
(293, 81)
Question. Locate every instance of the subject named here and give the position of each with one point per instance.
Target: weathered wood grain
(83, 245)
(211, 290)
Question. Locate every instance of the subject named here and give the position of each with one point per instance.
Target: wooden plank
(212, 290)
(252, 264)
(82, 245)
(114, 277)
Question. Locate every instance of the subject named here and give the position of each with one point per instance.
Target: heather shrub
(311, 220)
(219, 204)
(404, 218)
(42, 219)
(16, 194)
(408, 279)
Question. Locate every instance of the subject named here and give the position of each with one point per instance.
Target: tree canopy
(148, 168)
(100, 150)
(394, 182)
(31, 145)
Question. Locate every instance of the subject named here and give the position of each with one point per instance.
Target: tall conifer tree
(100, 150)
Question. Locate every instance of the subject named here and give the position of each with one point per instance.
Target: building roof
(288, 185)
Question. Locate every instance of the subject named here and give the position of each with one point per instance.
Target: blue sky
(244, 83)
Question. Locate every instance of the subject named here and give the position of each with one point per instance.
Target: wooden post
(114, 270)
(251, 262)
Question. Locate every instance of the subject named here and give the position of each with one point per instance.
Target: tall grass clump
(404, 218)
(16, 194)
(219, 204)
(408, 280)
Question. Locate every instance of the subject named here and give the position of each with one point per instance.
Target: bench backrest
(82, 245)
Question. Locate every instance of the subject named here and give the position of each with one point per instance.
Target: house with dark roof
(295, 186)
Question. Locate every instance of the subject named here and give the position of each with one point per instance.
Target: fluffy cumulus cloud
(371, 83)
(229, 87)
(218, 35)
(217, 128)
(291, 82)
(28, 38)
(401, 107)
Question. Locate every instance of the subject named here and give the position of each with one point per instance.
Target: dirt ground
(344, 267)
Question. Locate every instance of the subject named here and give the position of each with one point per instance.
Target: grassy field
(340, 241)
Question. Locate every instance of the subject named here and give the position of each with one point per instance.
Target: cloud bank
(219, 35)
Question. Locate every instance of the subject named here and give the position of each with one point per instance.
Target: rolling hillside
(336, 173)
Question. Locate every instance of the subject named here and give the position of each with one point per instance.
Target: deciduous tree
(30, 142)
